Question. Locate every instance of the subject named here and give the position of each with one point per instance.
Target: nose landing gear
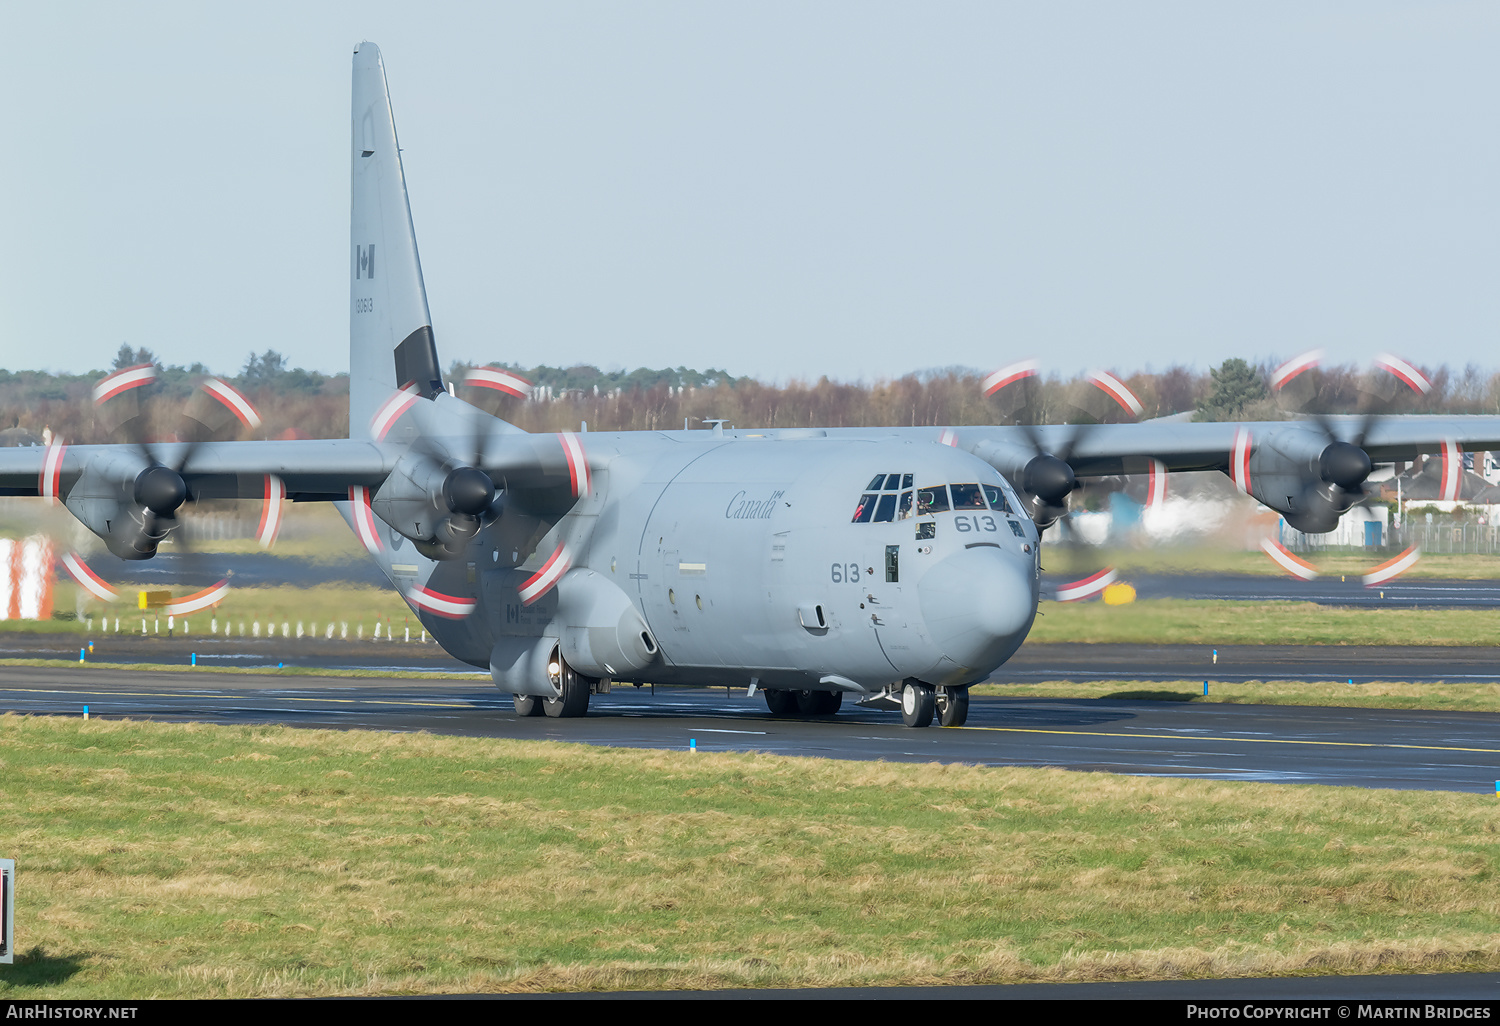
(952, 706)
(917, 703)
(920, 701)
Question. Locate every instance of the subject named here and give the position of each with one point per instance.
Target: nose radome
(978, 605)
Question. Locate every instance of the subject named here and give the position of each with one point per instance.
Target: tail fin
(390, 330)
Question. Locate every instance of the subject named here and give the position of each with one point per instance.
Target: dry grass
(176, 860)
(1460, 696)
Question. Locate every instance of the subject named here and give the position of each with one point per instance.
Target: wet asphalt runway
(1360, 747)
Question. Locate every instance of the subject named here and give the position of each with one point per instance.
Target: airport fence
(1437, 538)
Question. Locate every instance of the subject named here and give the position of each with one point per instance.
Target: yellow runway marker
(1246, 740)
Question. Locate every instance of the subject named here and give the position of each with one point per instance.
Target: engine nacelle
(129, 503)
(438, 508)
(1307, 477)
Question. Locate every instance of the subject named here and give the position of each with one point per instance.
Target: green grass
(1460, 696)
(273, 671)
(171, 860)
(1214, 622)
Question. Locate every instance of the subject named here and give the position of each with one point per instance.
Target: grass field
(192, 860)
(1458, 696)
(1211, 622)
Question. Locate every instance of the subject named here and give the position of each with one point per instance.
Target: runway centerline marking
(1244, 740)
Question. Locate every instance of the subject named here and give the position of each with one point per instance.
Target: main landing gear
(920, 701)
(574, 700)
(808, 703)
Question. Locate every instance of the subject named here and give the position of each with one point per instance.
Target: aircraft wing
(311, 469)
(1108, 449)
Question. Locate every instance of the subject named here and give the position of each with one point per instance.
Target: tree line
(300, 403)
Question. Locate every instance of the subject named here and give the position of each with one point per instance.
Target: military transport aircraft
(894, 565)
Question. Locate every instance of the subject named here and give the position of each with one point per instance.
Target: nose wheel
(917, 704)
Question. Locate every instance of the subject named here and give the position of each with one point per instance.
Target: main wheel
(574, 700)
(952, 706)
(528, 705)
(916, 705)
(781, 703)
(819, 703)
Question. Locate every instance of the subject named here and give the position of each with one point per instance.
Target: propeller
(1047, 480)
(149, 481)
(1343, 465)
(443, 490)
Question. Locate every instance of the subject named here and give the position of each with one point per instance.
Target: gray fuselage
(755, 556)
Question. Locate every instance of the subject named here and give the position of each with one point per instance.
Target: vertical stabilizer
(390, 330)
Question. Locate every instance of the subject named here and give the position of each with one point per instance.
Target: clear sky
(784, 190)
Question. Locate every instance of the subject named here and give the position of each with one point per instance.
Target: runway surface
(1361, 747)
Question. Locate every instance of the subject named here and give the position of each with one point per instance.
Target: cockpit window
(967, 496)
(877, 508)
(997, 498)
(864, 509)
(932, 500)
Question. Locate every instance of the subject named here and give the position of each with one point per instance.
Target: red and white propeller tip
(1392, 568)
(1118, 391)
(1009, 374)
(391, 410)
(1088, 587)
(234, 400)
(499, 380)
(1295, 366)
(1288, 560)
(1414, 379)
(452, 607)
(539, 583)
(123, 380)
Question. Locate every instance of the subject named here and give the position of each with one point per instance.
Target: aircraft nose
(978, 605)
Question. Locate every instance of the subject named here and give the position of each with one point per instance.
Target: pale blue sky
(780, 189)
